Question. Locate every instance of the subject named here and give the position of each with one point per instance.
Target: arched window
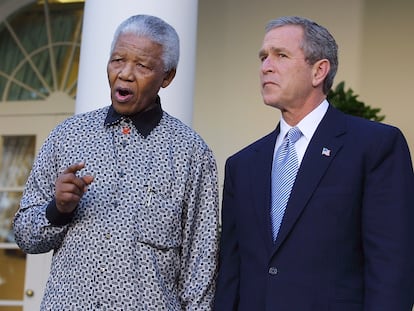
(40, 50)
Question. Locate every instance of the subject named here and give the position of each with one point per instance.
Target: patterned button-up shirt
(145, 234)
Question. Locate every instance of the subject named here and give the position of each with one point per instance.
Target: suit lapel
(260, 172)
(324, 145)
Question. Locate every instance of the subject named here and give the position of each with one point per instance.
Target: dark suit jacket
(346, 242)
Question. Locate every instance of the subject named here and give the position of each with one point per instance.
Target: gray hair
(156, 30)
(317, 44)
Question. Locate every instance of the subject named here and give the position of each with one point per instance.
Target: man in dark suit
(346, 237)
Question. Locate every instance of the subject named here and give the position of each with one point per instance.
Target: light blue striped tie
(284, 169)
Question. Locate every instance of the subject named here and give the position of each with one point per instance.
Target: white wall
(388, 62)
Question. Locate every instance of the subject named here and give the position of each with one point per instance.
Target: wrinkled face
(285, 76)
(136, 74)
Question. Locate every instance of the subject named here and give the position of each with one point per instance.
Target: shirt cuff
(57, 218)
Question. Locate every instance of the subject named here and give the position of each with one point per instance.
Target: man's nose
(267, 65)
(126, 72)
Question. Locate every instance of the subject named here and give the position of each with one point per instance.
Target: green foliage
(347, 102)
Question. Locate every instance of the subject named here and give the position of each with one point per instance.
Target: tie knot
(294, 134)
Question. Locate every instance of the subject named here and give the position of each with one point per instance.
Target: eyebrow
(273, 50)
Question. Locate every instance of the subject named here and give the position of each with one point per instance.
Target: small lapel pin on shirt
(326, 152)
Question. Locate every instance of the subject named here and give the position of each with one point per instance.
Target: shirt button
(273, 271)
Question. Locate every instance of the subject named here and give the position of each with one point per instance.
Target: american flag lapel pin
(326, 152)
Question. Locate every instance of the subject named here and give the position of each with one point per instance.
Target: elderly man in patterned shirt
(126, 196)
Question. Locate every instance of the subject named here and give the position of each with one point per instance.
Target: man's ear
(169, 76)
(319, 71)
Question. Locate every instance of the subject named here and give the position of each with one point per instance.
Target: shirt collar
(309, 123)
(144, 121)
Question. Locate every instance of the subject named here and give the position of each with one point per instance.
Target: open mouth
(123, 94)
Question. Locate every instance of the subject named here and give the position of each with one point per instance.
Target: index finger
(74, 168)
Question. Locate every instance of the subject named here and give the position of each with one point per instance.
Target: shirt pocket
(159, 219)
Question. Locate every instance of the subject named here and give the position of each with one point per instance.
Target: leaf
(347, 102)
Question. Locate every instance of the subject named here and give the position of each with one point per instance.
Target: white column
(101, 17)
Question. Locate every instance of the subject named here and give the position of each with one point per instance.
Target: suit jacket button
(273, 271)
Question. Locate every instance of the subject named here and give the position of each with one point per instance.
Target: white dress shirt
(307, 126)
